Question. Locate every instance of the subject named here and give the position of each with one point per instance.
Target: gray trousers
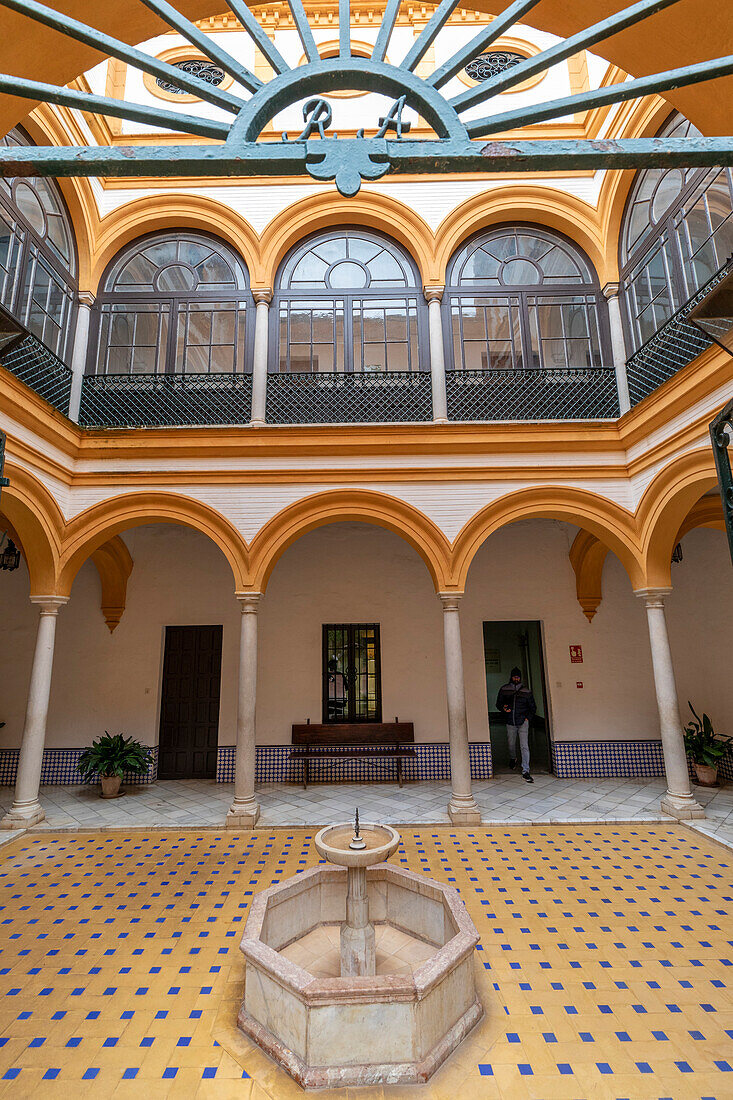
(511, 736)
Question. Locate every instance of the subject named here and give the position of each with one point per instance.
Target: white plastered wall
(357, 573)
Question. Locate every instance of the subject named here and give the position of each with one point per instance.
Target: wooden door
(189, 711)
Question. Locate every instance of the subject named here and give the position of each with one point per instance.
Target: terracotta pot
(707, 776)
(110, 786)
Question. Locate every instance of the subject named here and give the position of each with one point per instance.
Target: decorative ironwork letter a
(393, 120)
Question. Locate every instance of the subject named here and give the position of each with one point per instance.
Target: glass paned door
(352, 674)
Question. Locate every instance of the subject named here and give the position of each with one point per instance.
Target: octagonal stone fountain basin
(396, 1026)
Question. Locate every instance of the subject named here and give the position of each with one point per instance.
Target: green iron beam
(389, 19)
(481, 41)
(259, 36)
(615, 93)
(117, 108)
(559, 52)
(428, 34)
(303, 28)
(286, 158)
(113, 47)
(204, 42)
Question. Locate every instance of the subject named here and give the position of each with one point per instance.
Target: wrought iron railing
(578, 393)
(391, 397)
(676, 344)
(164, 400)
(33, 363)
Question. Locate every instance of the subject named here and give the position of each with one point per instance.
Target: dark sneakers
(512, 764)
(527, 777)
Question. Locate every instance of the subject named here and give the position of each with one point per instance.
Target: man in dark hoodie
(517, 701)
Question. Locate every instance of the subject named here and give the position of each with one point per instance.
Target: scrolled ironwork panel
(333, 398)
(579, 393)
(676, 344)
(35, 365)
(165, 400)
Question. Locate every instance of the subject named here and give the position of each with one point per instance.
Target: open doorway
(507, 644)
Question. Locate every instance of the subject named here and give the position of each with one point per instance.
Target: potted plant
(110, 757)
(705, 748)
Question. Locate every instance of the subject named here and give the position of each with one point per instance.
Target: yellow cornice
(205, 448)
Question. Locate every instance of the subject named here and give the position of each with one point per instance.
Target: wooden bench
(351, 740)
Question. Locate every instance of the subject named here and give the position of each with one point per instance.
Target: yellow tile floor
(604, 965)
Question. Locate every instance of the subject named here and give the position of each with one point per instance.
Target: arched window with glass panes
(677, 232)
(348, 301)
(520, 297)
(38, 262)
(173, 302)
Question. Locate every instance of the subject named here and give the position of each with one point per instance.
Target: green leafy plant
(113, 755)
(702, 744)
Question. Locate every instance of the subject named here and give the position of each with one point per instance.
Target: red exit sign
(576, 655)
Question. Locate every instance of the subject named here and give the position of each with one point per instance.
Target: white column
(433, 296)
(262, 297)
(245, 810)
(679, 801)
(618, 344)
(26, 809)
(79, 354)
(462, 807)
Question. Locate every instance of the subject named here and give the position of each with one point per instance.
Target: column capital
(653, 597)
(610, 290)
(450, 600)
(249, 602)
(433, 293)
(86, 298)
(262, 294)
(50, 605)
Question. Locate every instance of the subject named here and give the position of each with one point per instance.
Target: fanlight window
(173, 302)
(37, 256)
(520, 297)
(677, 233)
(347, 301)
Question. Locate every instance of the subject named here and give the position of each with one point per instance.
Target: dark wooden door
(189, 710)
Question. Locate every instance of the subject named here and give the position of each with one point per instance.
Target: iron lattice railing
(32, 362)
(392, 397)
(164, 400)
(578, 393)
(676, 344)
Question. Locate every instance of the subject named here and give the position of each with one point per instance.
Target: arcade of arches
(195, 586)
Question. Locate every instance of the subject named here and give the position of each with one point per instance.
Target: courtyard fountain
(358, 972)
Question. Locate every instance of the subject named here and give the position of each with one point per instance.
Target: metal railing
(675, 345)
(391, 397)
(577, 393)
(35, 365)
(164, 400)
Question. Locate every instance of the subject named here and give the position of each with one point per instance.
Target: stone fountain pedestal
(356, 977)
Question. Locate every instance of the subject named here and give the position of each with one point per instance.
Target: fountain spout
(362, 850)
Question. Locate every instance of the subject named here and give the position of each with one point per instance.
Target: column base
(441, 420)
(682, 807)
(464, 813)
(257, 422)
(242, 816)
(22, 818)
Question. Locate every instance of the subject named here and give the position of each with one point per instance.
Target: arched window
(37, 256)
(347, 301)
(523, 297)
(677, 232)
(173, 302)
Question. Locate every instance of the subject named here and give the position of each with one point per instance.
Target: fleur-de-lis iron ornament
(379, 147)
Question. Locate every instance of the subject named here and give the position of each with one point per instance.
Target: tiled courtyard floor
(604, 965)
(505, 798)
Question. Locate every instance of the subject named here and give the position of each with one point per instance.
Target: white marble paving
(504, 799)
